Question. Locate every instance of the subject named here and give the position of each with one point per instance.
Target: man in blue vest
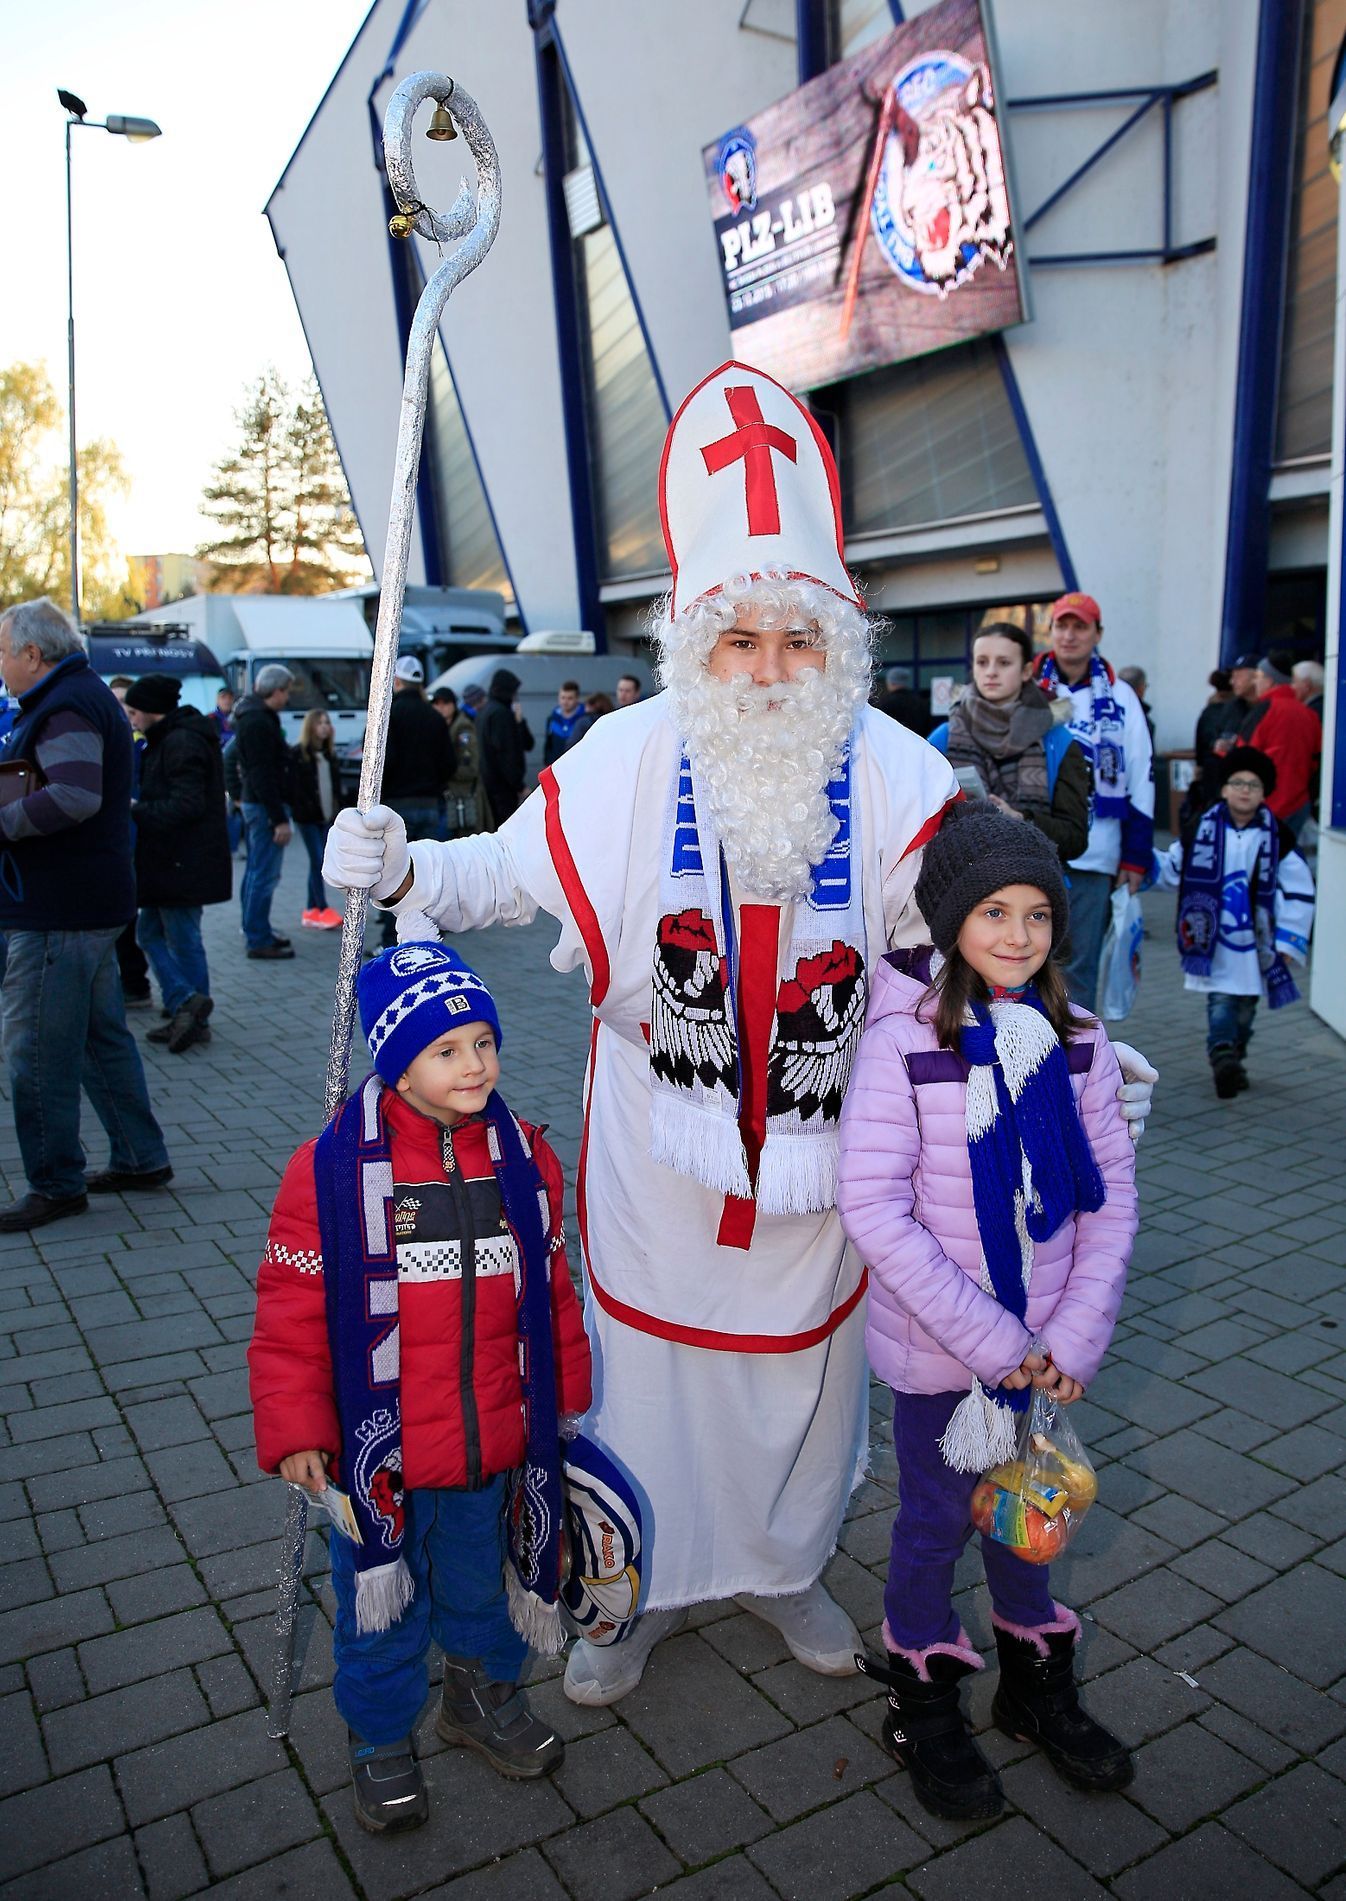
(67, 890)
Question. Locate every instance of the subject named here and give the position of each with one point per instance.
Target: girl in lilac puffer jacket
(974, 1076)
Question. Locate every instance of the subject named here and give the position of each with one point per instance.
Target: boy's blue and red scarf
(1101, 737)
(353, 1173)
(1200, 896)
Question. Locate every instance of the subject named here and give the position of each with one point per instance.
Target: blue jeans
(1090, 913)
(1229, 1022)
(455, 1548)
(315, 838)
(261, 875)
(933, 1523)
(170, 936)
(65, 1025)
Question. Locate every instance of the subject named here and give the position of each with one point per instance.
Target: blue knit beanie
(413, 994)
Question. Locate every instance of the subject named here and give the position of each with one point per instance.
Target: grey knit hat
(978, 850)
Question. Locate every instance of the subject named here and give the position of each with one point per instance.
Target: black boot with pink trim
(927, 1733)
(1037, 1701)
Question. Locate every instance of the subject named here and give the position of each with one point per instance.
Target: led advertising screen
(866, 217)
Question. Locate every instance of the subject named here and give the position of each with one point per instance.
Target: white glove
(1136, 1094)
(367, 852)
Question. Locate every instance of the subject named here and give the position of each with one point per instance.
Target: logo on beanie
(413, 957)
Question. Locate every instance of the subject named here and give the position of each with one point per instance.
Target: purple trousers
(933, 1524)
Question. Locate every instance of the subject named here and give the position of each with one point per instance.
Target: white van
(323, 641)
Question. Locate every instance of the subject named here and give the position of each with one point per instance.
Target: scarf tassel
(980, 1433)
(538, 1623)
(382, 1593)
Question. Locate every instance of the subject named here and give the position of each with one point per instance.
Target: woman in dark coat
(182, 851)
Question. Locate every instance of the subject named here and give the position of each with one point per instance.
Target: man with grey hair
(1306, 677)
(264, 763)
(67, 890)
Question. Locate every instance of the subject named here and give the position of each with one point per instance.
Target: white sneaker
(820, 1634)
(604, 1673)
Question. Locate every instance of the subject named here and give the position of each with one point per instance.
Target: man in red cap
(1109, 724)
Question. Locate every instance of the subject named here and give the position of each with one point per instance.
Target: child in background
(417, 1338)
(976, 1076)
(1245, 904)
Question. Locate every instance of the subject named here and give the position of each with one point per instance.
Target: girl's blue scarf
(1201, 893)
(1032, 1169)
(1101, 737)
(354, 1177)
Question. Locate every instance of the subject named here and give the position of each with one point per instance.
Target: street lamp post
(137, 131)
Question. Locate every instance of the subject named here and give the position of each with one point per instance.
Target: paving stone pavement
(138, 1541)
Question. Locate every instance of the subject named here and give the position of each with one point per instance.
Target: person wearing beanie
(1108, 723)
(1290, 734)
(1245, 907)
(975, 1069)
(183, 861)
(417, 1343)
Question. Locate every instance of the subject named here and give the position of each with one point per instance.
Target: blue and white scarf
(1201, 894)
(1101, 737)
(353, 1173)
(697, 1084)
(1032, 1169)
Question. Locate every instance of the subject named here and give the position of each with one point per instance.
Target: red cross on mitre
(753, 443)
(759, 497)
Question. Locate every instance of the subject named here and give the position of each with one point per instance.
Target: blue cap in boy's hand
(413, 994)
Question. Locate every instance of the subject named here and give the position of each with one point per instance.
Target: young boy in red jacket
(417, 1340)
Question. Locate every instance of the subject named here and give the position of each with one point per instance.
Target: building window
(626, 414)
(1304, 411)
(928, 441)
(472, 554)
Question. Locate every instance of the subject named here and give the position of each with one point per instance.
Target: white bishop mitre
(748, 486)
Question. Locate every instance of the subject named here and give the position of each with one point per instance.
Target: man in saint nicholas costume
(726, 861)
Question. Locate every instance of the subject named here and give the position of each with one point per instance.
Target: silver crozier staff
(474, 218)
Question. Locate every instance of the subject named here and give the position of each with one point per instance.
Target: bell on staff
(441, 125)
(400, 225)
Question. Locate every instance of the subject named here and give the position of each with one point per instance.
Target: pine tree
(280, 500)
(324, 531)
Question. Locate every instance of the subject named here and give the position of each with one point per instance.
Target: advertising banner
(866, 218)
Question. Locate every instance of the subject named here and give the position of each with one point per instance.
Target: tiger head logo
(941, 204)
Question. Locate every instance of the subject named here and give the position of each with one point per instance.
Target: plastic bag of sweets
(1035, 1502)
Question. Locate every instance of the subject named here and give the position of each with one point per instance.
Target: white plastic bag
(1120, 967)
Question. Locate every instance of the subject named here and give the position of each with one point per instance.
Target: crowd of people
(848, 1102)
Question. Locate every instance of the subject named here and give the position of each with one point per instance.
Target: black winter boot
(494, 1718)
(1037, 1701)
(1227, 1068)
(388, 1785)
(926, 1732)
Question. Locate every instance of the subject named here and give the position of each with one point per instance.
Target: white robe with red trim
(728, 1380)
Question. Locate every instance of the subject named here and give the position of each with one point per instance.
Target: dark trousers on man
(65, 1026)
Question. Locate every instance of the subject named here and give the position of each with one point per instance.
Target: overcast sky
(180, 298)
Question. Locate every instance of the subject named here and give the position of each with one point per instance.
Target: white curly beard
(764, 755)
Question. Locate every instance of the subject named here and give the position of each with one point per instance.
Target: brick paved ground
(138, 1544)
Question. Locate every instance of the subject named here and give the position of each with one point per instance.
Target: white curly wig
(764, 755)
